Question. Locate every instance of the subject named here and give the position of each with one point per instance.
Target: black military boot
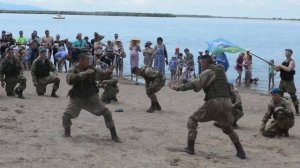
(234, 125)
(152, 108)
(240, 151)
(68, 132)
(53, 94)
(297, 110)
(157, 106)
(19, 92)
(190, 148)
(114, 135)
(115, 99)
(286, 133)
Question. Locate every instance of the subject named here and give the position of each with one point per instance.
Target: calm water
(267, 39)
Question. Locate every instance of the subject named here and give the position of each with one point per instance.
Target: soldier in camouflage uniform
(217, 106)
(41, 77)
(282, 111)
(110, 86)
(154, 82)
(11, 73)
(84, 95)
(237, 108)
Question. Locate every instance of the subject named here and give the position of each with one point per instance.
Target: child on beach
(180, 64)
(272, 74)
(173, 67)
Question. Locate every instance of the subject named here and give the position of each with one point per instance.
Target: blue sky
(252, 8)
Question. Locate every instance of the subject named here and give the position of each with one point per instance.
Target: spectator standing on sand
(134, 56)
(98, 48)
(173, 67)
(57, 46)
(79, 42)
(148, 53)
(21, 40)
(239, 67)
(120, 55)
(48, 42)
(34, 44)
(161, 56)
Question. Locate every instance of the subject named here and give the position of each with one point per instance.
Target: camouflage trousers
(110, 93)
(237, 114)
(290, 88)
(154, 87)
(43, 82)
(12, 82)
(92, 105)
(218, 110)
(278, 127)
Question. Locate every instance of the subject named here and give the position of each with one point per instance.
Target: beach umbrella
(219, 46)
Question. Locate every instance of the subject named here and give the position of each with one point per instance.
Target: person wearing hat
(11, 74)
(84, 95)
(287, 73)
(120, 55)
(148, 53)
(98, 48)
(217, 106)
(160, 56)
(282, 111)
(154, 81)
(41, 77)
(134, 56)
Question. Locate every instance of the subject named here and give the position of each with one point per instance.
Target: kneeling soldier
(84, 95)
(282, 111)
(110, 86)
(11, 73)
(41, 77)
(154, 82)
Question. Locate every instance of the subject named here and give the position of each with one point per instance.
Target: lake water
(267, 39)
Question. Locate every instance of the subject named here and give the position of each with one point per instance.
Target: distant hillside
(8, 6)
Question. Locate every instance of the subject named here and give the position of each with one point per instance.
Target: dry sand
(31, 134)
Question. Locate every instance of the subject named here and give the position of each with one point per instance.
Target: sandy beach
(31, 133)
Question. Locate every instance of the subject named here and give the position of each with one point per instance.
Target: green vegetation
(131, 14)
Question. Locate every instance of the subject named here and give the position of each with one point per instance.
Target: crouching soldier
(11, 74)
(84, 95)
(41, 77)
(282, 111)
(110, 86)
(154, 82)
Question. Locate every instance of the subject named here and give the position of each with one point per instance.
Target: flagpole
(262, 59)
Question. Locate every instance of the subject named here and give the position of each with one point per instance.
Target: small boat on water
(58, 16)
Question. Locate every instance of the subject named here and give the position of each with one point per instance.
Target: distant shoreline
(135, 14)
